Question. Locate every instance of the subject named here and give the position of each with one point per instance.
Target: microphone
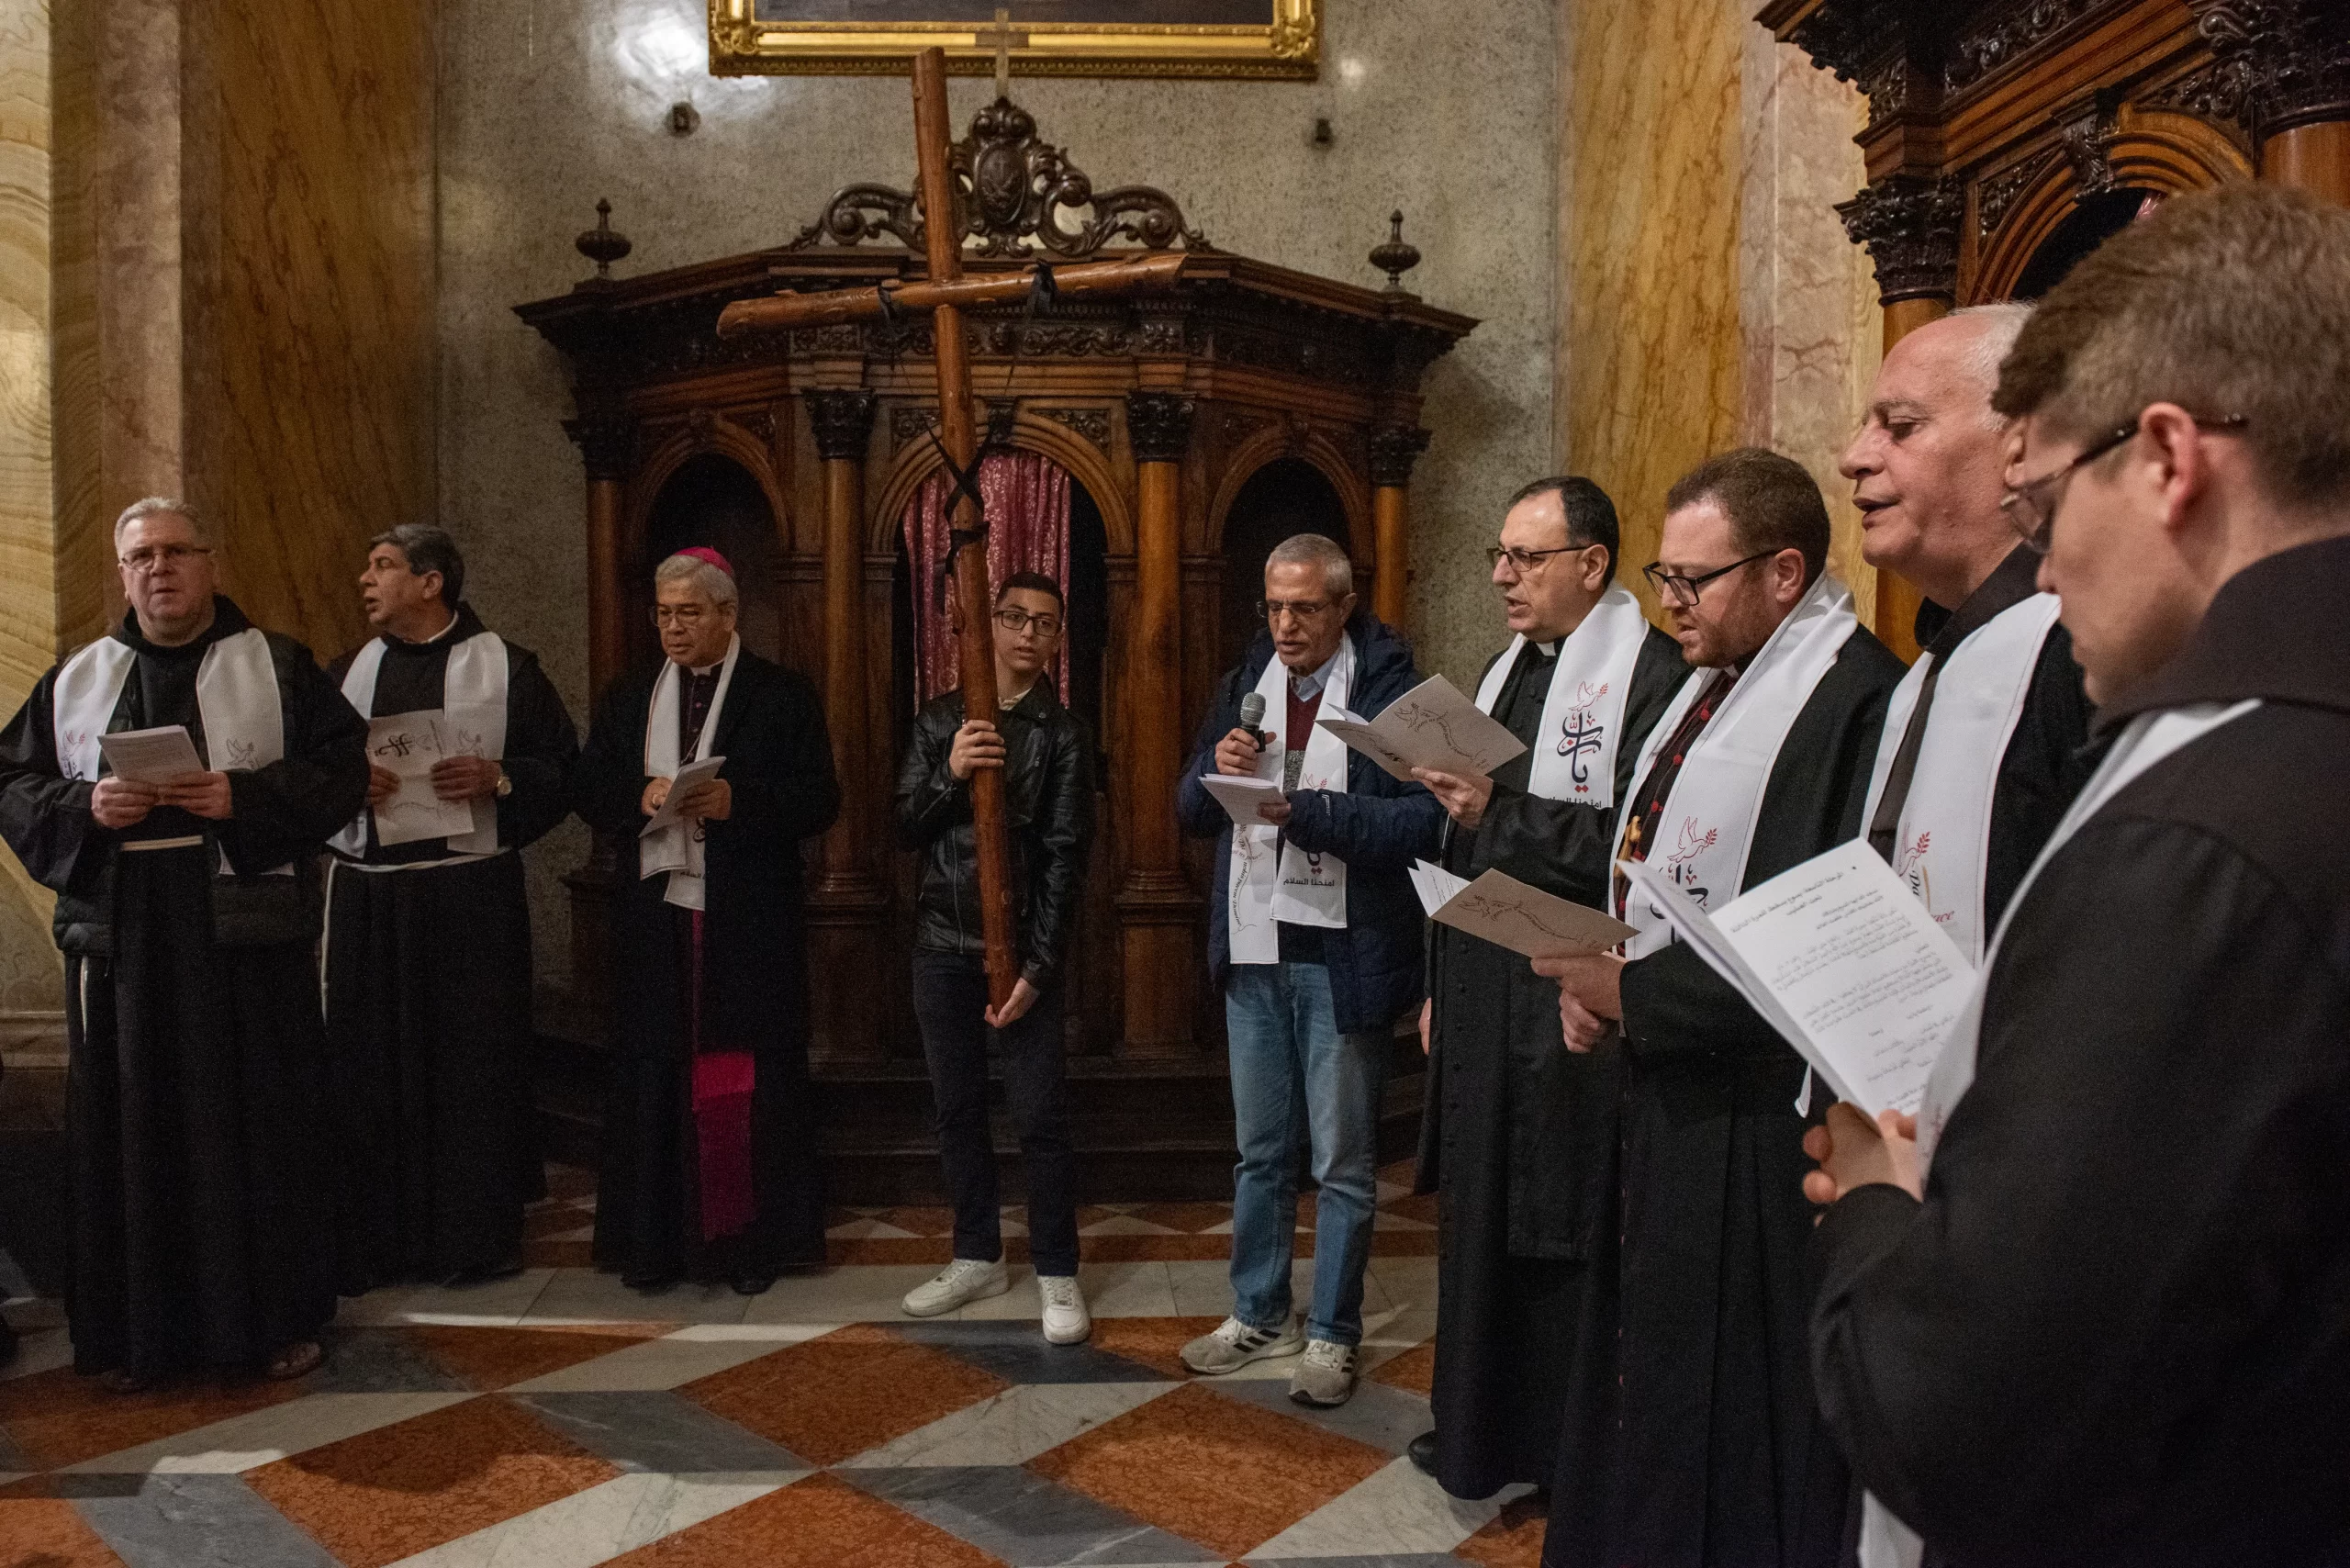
(1252, 716)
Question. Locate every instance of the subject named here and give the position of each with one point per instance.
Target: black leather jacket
(1048, 803)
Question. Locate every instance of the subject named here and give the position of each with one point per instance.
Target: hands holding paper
(1463, 796)
(712, 798)
(119, 803)
(1853, 1153)
(1590, 995)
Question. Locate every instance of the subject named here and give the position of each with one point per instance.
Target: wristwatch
(505, 783)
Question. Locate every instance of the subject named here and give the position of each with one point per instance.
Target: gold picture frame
(780, 38)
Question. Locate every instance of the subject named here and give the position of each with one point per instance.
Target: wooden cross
(945, 294)
(1005, 41)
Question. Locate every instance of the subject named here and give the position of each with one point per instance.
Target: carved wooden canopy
(1991, 120)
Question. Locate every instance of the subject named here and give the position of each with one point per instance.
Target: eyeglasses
(1525, 561)
(149, 559)
(678, 615)
(1677, 588)
(1016, 620)
(2030, 507)
(1304, 609)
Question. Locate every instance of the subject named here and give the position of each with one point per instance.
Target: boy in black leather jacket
(1047, 759)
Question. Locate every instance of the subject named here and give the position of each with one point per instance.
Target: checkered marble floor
(559, 1420)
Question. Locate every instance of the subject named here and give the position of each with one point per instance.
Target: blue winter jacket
(1378, 827)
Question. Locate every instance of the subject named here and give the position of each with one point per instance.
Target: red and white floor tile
(560, 1421)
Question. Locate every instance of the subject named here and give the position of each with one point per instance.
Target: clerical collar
(1309, 685)
(1548, 650)
(703, 672)
(397, 641)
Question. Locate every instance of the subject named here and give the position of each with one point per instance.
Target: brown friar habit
(1715, 1456)
(429, 1002)
(743, 987)
(1519, 1135)
(2117, 1332)
(196, 1065)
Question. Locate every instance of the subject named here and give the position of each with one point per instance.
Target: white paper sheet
(691, 775)
(151, 756)
(1842, 960)
(406, 745)
(1240, 794)
(1509, 913)
(1430, 726)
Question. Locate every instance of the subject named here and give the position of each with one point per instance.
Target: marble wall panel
(28, 963)
(1446, 111)
(1652, 358)
(316, 278)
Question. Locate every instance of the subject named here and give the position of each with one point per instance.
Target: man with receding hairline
(187, 909)
(2111, 1322)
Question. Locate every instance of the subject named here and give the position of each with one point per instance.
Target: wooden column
(1158, 914)
(607, 442)
(2314, 157)
(844, 907)
(1394, 450)
(2290, 61)
(1910, 223)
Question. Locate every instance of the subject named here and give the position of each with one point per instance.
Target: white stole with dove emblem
(1272, 879)
(1707, 824)
(1583, 712)
(473, 697)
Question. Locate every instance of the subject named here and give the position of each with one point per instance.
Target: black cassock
(1713, 1454)
(753, 992)
(429, 1004)
(2118, 1330)
(1518, 1136)
(201, 1203)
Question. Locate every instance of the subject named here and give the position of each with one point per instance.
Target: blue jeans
(1295, 1078)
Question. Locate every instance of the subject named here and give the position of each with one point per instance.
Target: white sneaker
(1325, 1374)
(1232, 1345)
(1066, 1320)
(964, 1280)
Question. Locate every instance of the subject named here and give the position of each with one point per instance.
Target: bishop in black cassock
(1713, 1455)
(1518, 1136)
(428, 959)
(196, 1067)
(708, 1160)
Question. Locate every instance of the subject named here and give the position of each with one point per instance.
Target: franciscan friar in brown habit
(428, 959)
(1518, 1136)
(188, 913)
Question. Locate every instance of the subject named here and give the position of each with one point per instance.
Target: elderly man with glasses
(174, 782)
(1047, 760)
(1313, 936)
(710, 1167)
(1716, 1454)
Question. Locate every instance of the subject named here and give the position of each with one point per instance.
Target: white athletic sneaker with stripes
(964, 1281)
(1067, 1322)
(1232, 1345)
(1325, 1374)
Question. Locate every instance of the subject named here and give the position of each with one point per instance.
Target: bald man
(1983, 742)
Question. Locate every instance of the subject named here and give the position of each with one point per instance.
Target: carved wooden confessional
(1196, 425)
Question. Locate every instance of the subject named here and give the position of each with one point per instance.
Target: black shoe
(1422, 1452)
(753, 1284)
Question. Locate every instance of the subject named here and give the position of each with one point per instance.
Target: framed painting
(1280, 40)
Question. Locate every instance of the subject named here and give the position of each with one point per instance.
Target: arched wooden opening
(711, 499)
(1287, 496)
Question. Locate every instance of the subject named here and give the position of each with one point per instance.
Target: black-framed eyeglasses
(1306, 609)
(1679, 587)
(1013, 618)
(2030, 507)
(683, 615)
(1523, 561)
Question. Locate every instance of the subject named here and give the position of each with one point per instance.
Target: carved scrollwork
(703, 423)
(1394, 450)
(1016, 194)
(607, 444)
(2086, 142)
(2215, 91)
(1159, 425)
(1996, 197)
(1093, 424)
(2289, 60)
(843, 422)
(909, 421)
(1074, 340)
(2005, 34)
(1910, 224)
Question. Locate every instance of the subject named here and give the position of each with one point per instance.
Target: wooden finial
(602, 245)
(1395, 257)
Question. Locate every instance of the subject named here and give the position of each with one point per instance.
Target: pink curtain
(1027, 521)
